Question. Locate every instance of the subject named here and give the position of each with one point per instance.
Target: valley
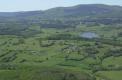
(64, 49)
(82, 42)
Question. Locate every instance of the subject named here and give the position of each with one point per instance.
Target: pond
(89, 35)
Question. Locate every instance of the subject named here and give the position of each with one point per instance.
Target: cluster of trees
(111, 52)
(7, 66)
(115, 52)
(60, 37)
(46, 43)
(91, 50)
(120, 34)
(9, 58)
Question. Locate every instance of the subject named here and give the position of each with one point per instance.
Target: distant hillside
(82, 12)
(62, 17)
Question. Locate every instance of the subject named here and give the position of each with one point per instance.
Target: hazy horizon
(30, 5)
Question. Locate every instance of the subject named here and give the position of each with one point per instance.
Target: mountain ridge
(60, 7)
(81, 10)
(61, 17)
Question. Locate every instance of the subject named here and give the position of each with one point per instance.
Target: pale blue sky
(30, 5)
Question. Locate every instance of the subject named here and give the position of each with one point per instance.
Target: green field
(60, 54)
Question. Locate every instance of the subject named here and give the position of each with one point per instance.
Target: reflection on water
(89, 35)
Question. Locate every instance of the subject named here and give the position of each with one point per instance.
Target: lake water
(89, 35)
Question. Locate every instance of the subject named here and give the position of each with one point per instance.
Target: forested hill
(86, 10)
(61, 17)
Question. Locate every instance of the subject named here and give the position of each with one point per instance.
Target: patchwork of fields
(60, 54)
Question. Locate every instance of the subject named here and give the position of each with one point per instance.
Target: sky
(30, 5)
